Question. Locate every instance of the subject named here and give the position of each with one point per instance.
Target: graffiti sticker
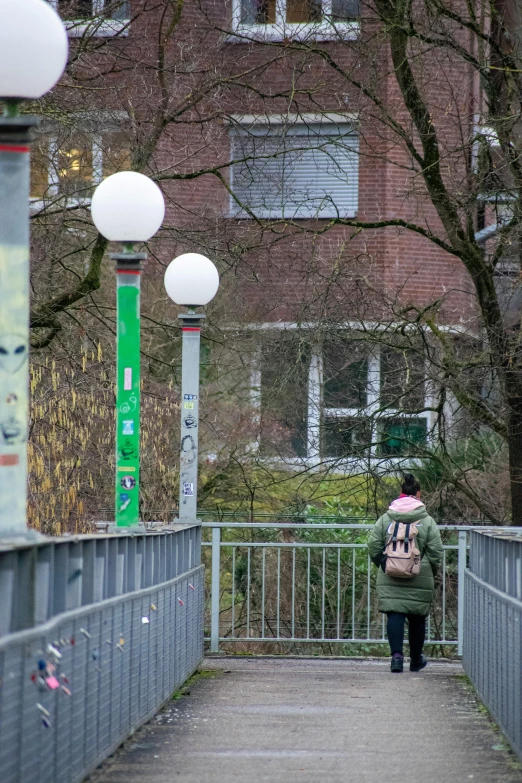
(128, 450)
(128, 427)
(13, 352)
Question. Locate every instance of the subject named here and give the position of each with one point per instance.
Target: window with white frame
(346, 400)
(297, 19)
(94, 17)
(298, 169)
(71, 162)
(349, 397)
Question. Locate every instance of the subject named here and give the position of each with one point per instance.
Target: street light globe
(127, 207)
(33, 48)
(191, 279)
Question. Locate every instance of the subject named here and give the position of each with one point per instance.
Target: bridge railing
(493, 626)
(292, 583)
(112, 626)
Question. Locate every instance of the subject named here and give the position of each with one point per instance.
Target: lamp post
(127, 207)
(33, 55)
(191, 280)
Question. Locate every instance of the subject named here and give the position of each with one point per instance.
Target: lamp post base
(113, 527)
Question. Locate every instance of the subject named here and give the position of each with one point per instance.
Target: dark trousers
(416, 633)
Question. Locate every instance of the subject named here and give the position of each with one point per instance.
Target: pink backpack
(403, 558)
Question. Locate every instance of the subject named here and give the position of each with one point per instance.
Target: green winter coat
(410, 596)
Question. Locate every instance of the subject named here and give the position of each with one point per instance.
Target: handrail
(327, 526)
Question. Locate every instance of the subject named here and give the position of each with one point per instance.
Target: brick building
(278, 133)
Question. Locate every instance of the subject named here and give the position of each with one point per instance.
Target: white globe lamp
(33, 48)
(191, 280)
(127, 207)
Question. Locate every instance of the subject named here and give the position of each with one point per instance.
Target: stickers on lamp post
(127, 401)
(14, 277)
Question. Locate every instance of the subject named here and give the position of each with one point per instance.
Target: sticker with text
(188, 489)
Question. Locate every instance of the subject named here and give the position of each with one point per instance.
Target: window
(402, 379)
(348, 397)
(345, 376)
(72, 163)
(279, 19)
(298, 170)
(400, 436)
(96, 17)
(284, 397)
(348, 400)
(347, 437)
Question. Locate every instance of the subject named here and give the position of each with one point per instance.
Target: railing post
(214, 601)
(463, 548)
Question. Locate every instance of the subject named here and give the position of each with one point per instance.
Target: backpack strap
(394, 536)
(407, 539)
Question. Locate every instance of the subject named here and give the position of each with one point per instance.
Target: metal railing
(40, 580)
(74, 686)
(492, 655)
(496, 558)
(293, 583)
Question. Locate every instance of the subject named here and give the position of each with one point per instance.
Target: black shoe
(397, 664)
(420, 663)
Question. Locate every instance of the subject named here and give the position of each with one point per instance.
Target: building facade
(280, 137)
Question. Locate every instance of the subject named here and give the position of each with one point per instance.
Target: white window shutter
(305, 171)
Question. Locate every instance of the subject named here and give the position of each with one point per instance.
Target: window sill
(344, 465)
(97, 29)
(264, 215)
(37, 205)
(323, 31)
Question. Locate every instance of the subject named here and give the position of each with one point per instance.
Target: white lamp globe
(33, 48)
(191, 279)
(127, 207)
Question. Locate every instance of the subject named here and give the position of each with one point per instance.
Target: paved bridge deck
(309, 720)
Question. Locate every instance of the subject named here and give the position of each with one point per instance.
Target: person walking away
(406, 584)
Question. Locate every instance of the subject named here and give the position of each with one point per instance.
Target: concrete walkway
(340, 721)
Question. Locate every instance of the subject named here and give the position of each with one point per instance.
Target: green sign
(128, 399)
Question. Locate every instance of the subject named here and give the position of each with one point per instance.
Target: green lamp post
(127, 208)
(33, 55)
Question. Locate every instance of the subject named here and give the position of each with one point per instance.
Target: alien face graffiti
(13, 352)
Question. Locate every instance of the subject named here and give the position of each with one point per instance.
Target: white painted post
(215, 595)
(462, 556)
(315, 378)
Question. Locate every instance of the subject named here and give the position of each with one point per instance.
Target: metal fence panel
(496, 558)
(73, 688)
(303, 583)
(493, 652)
(39, 580)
